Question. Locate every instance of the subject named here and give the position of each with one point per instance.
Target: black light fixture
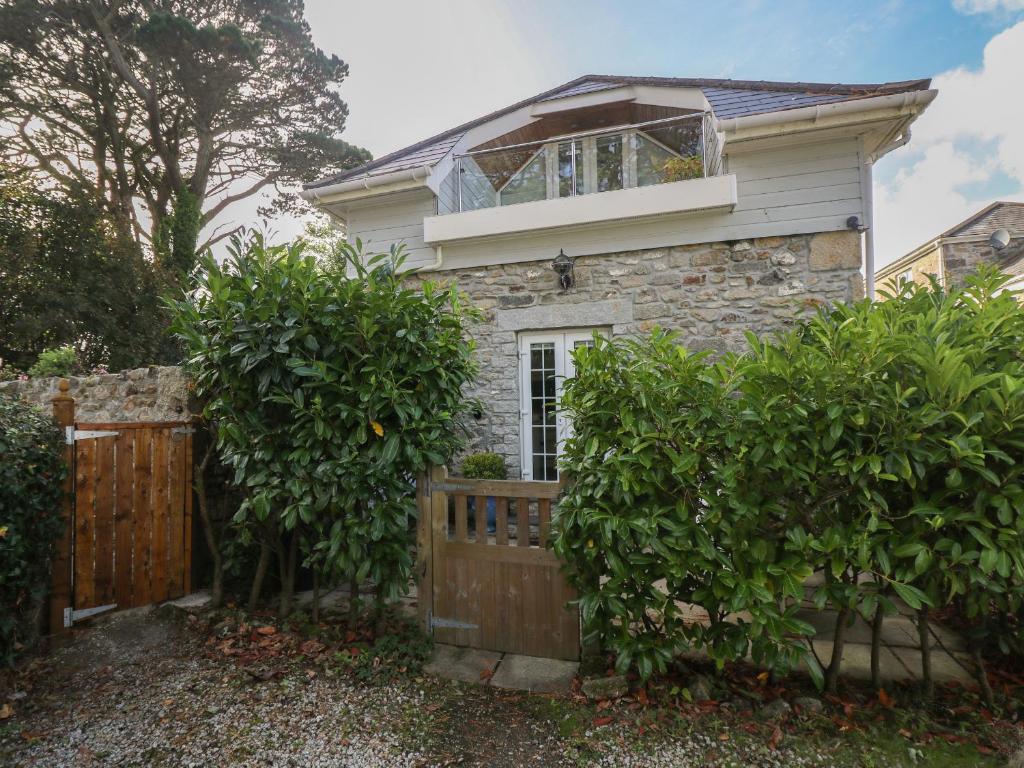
(563, 265)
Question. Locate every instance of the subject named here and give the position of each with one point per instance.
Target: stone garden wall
(144, 394)
(711, 293)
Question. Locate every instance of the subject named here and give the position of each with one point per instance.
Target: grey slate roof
(998, 215)
(728, 98)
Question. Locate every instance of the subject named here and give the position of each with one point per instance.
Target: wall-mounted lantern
(563, 266)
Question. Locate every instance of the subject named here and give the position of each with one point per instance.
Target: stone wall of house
(963, 258)
(711, 293)
(144, 394)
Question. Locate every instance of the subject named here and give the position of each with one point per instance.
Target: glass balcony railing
(639, 155)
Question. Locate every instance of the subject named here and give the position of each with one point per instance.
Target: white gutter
(906, 103)
(365, 182)
(438, 261)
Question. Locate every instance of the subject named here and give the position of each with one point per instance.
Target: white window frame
(564, 342)
(906, 277)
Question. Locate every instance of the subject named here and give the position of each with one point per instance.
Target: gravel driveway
(140, 690)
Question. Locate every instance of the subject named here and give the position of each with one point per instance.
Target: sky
(419, 68)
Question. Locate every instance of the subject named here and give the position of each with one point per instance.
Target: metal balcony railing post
(458, 180)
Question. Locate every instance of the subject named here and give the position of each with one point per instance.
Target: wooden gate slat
(142, 506)
(104, 516)
(523, 522)
(187, 544)
(85, 488)
(501, 515)
(124, 458)
(160, 505)
(176, 517)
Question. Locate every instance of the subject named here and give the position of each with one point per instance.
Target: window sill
(714, 193)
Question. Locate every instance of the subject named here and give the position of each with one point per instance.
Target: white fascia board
(582, 100)
(667, 96)
(368, 185)
(714, 193)
(872, 110)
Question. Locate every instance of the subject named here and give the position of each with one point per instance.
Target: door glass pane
(543, 434)
(609, 163)
(530, 183)
(570, 168)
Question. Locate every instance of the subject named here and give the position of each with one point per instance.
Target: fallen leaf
(763, 677)
(723, 737)
(6, 711)
(773, 742)
(486, 674)
(266, 630)
(884, 698)
(599, 721)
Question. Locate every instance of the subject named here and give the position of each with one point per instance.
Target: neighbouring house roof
(728, 99)
(999, 215)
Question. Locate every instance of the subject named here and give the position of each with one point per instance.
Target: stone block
(835, 250)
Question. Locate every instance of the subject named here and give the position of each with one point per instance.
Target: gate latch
(71, 615)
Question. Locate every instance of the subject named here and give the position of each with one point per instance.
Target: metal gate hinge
(450, 624)
(71, 434)
(182, 431)
(71, 615)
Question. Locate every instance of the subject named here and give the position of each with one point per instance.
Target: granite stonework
(962, 259)
(711, 293)
(159, 393)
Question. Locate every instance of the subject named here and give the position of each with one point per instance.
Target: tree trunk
(378, 611)
(288, 568)
(209, 532)
(316, 596)
(924, 637)
(979, 666)
(257, 578)
(353, 602)
(838, 643)
(876, 647)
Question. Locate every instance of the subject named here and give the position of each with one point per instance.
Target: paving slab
(534, 674)
(469, 665)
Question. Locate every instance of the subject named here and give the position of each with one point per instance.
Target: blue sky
(418, 68)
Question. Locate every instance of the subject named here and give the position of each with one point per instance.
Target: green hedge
(31, 473)
(880, 440)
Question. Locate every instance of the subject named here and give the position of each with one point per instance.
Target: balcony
(660, 167)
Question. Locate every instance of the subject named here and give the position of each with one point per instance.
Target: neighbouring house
(616, 204)
(959, 250)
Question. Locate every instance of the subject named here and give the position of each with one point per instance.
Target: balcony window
(639, 155)
(570, 168)
(529, 183)
(609, 163)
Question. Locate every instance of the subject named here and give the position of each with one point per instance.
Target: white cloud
(972, 136)
(987, 6)
(417, 69)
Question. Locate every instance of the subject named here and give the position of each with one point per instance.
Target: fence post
(424, 545)
(60, 593)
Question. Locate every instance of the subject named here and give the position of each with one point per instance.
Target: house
(959, 250)
(615, 204)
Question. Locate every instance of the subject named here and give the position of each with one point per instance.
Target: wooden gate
(132, 513)
(500, 591)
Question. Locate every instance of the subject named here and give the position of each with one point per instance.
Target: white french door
(545, 362)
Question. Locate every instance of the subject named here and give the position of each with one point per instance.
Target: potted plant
(485, 466)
